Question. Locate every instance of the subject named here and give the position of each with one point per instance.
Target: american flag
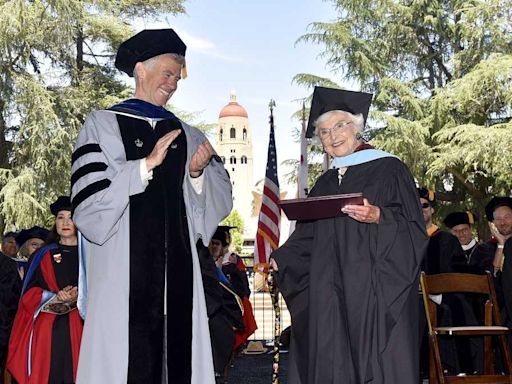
(267, 236)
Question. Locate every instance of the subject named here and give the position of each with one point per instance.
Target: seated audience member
(9, 246)
(499, 215)
(29, 241)
(10, 287)
(443, 253)
(231, 264)
(45, 339)
(496, 250)
(443, 249)
(224, 310)
(234, 269)
(460, 224)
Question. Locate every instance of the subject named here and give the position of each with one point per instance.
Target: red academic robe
(241, 336)
(41, 331)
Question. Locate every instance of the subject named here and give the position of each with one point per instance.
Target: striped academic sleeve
(102, 180)
(95, 163)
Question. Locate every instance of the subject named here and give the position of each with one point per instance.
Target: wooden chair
(7, 377)
(466, 283)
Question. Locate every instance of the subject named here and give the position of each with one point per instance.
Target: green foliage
(191, 118)
(56, 65)
(314, 167)
(235, 220)
(441, 73)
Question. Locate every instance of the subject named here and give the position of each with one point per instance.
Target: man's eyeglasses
(326, 132)
(425, 205)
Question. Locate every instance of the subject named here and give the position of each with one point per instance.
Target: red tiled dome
(233, 108)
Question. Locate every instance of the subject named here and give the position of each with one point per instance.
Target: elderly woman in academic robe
(351, 281)
(45, 339)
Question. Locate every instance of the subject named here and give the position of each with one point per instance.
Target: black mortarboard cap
(330, 99)
(145, 45)
(222, 234)
(10, 234)
(457, 218)
(497, 201)
(62, 203)
(426, 194)
(31, 233)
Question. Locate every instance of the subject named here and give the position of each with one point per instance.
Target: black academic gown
(224, 314)
(460, 355)
(10, 288)
(352, 287)
(478, 260)
(238, 279)
(443, 252)
(503, 282)
(159, 247)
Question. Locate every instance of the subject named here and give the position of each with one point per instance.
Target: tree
(442, 77)
(56, 65)
(235, 220)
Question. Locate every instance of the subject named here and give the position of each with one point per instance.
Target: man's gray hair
(150, 63)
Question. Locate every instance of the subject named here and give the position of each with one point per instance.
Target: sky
(249, 46)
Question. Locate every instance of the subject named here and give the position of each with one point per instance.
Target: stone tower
(234, 146)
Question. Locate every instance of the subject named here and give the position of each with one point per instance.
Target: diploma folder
(321, 207)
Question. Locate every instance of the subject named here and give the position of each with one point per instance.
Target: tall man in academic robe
(148, 191)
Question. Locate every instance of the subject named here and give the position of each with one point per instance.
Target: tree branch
(470, 187)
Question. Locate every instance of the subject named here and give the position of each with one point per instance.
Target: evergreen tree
(441, 72)
(235, 220)
(56, 65)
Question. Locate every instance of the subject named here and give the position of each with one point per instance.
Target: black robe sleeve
(506, 281)
(10, 288)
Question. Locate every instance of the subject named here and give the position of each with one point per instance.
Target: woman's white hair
(357, 120)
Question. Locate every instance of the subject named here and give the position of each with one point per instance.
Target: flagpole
(274, 293)
(302, 179)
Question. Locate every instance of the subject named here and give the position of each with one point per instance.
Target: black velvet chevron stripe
(86, 169)
(89, 191)
(85, 149)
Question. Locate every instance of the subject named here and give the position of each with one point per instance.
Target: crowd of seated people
(458, 250)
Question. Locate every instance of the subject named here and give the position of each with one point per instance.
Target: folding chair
(466, 283)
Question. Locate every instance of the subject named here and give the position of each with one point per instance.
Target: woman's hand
(68, 294)
(365, 213)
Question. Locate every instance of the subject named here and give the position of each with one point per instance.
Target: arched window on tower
(232, 160)
(243, 160)
(220, 134)
(244, 134)
(232, 133)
